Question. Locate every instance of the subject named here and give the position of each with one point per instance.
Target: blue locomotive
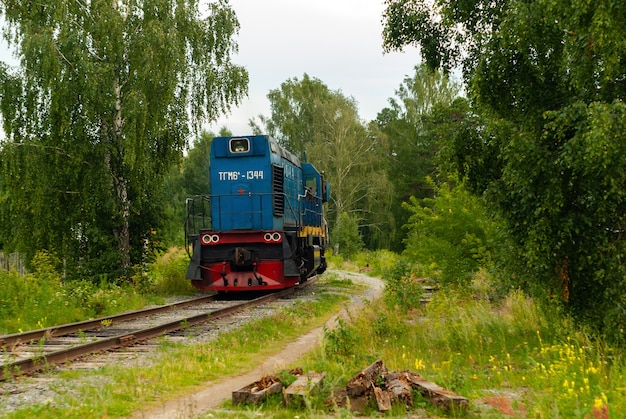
(263, 226)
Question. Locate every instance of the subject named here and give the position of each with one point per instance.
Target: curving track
(27, 352)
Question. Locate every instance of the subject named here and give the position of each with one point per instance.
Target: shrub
(36, 300)
(167, 274)
(450, 234)
(401, 288)
(345, 237)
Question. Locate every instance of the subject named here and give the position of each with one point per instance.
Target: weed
(82, 336)
(184, 325)
(341, 341)
(286, 378)
(402, 288)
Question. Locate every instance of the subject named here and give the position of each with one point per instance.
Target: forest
(518, 169)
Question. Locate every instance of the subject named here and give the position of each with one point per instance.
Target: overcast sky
(336, 41)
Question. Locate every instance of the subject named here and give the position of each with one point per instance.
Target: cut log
(383, 399)
(364, 382)
(257, 391)
(358, 404)
(341, 400)
(436, 394)
(399, 387)
(375, 382)
(306, 384)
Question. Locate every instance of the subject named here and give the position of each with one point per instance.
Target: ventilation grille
(278, 189)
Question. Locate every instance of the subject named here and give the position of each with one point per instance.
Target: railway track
(28, 352)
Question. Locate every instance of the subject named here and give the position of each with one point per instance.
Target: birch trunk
(121, 185)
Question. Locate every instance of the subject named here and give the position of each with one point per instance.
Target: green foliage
(376, 262)
(402, 290)
(324, 127)
(195, 173)
(345, 236)
(294, 108)
(43, 298)
(414, 126)
(410, 22)
(166, 275)
(103, 298)
(565, 205)
(449, 234)
(171, 231)
(546, 79)
(106, 97)
(36, 300)
(188, 178)
(468, 145)
(341, 341)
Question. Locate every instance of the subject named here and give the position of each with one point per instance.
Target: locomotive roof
(286, 154)
(271, 145)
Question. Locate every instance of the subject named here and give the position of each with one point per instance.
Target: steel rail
(8, 341)
(40, 362)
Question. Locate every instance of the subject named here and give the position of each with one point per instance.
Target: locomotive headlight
(274, 237)
(210, 238)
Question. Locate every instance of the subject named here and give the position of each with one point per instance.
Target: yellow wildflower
(597, 403)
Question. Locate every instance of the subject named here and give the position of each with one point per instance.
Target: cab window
(311, 185)
(239, 145)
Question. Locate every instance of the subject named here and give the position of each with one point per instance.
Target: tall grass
(531, 359)
(527, 356)
(43, 299)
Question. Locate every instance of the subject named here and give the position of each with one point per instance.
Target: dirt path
(214, 393)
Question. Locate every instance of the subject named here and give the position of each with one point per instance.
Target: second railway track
(28, 352)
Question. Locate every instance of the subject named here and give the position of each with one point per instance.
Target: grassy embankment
(42, 299)
(176, 368)
(524, 359)
(510, 357)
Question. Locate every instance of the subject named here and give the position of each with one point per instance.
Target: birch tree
(309, 116)
(103, 101)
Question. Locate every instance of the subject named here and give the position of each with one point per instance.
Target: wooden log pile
(374, 386)
(376, 383)
(294, 395)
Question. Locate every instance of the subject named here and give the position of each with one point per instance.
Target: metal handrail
(202, 215)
